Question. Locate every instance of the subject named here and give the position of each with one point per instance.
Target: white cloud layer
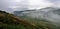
(32, 4)
(39, 4)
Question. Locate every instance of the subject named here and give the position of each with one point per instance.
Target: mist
(49, 13)
(18, 5)
(38, 5)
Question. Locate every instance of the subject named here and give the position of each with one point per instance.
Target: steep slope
(9, 21)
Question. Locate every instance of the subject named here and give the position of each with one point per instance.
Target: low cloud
(31, 4)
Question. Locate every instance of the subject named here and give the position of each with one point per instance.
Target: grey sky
(10, 5)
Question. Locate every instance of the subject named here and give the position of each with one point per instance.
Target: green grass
(5, 26)
(41, 23)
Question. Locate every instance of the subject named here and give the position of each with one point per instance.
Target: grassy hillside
(9, 21)
(41, 23)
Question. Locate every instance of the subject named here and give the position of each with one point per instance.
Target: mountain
(52, 14)
(49, 13)
(21, 13)
(35, 13)
(9, 21)
(44, 15)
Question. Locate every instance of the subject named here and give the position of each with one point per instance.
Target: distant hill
(38, 17)
(22, 13)
(48, 13)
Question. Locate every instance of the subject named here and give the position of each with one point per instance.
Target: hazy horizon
(12, 5)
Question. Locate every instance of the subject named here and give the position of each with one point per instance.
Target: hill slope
(9, 21)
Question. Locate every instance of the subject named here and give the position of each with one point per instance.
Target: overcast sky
(11, 5)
